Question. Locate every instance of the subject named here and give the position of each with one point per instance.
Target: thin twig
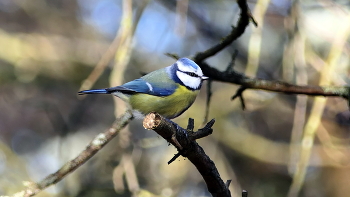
(173, 55)
(239, 94)
(235, 33)
(177, 155)
(228, 182)
(252, 18)
(203, 132)
(232, 62)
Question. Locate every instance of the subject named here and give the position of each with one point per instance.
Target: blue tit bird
(169, 91)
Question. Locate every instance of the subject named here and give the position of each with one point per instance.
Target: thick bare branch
(271, 85)
(185, 143)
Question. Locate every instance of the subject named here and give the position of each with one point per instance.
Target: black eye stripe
(190, 74)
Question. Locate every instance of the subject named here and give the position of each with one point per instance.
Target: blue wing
(157, 83)
(141, 86)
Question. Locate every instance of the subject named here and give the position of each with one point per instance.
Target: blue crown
(188, 62)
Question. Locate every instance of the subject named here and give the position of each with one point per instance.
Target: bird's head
(188, 73)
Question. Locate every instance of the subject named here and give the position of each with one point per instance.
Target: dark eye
(192, 74)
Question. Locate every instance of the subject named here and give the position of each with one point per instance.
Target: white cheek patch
(192, 82)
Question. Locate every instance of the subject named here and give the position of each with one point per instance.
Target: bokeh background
(280, 145)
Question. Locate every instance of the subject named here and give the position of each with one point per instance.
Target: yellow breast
(168, 106)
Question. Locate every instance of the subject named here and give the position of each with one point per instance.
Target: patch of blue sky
(281, 6)
(104, 15)
(156, 30)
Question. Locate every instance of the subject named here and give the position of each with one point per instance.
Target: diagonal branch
(185, 142)
(235, 33)
(92, 148)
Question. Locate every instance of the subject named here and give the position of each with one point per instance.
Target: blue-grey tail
(97, 91)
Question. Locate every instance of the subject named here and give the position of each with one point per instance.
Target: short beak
(204, 77)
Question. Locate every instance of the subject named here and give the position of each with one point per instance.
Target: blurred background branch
(317, 109)
(91, 149)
